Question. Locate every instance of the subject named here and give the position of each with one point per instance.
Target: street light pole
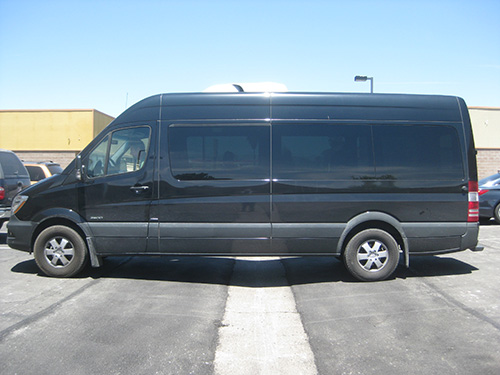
(364, 79)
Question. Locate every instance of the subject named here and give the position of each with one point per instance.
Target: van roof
(298, 105)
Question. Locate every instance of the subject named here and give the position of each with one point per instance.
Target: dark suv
(13, 178)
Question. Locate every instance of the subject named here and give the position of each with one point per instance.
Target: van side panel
(409, 164)
(214, 176)
(205, 108)
(374, 107)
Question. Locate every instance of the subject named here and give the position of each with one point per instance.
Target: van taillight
(2, 193)
(473, 215)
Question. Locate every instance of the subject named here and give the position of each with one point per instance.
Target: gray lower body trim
(421, 230)
(120, 230)
(440, 238)
(215, 230)
(119, 238)
(307, 230)
(297, 238)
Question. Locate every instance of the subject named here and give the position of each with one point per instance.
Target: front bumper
(19, 234)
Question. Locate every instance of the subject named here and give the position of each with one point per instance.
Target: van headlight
(18, 202)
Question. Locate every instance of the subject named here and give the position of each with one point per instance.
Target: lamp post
(364, 79)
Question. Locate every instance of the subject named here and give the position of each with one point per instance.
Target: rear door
(118, 188)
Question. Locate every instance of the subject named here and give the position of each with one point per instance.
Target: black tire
(371, 255)
(496, 213)
(60, 251)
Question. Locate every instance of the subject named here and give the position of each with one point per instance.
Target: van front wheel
(371, 255)
(60, 251)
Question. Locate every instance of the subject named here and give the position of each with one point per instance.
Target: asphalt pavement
(205, 315)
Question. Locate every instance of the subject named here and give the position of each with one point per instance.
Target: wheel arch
(71, 219)
(375, 220)
(49, 222)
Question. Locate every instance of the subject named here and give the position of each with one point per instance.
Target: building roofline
(56, 110)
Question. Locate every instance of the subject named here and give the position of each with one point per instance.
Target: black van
(13, 178)
(363, 177)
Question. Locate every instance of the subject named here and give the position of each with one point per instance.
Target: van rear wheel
(371, 255)
(60, 251)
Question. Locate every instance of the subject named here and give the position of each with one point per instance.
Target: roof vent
(247, 87)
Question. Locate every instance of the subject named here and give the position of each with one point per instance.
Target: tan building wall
(486, 127)
(101, 120)
(57, 135)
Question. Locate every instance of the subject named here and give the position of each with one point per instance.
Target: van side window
(322, 152)
(417, 152)
(121, 151)
(219, 152)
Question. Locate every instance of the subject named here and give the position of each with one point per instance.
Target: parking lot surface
(197, 315)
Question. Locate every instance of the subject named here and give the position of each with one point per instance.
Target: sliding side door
(214, 193)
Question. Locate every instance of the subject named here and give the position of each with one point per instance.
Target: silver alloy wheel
(59, 252)
(372, 255)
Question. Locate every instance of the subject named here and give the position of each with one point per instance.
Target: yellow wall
(101, 120)
(54, 130)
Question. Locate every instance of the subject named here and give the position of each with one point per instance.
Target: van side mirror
(80, 168)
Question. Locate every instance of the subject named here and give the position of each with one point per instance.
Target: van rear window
(219, 152)
(417, 152)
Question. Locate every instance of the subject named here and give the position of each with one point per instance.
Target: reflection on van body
(362, 177)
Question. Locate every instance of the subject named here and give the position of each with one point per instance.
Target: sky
(109, 54)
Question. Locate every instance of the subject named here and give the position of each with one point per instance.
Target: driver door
(118, 189)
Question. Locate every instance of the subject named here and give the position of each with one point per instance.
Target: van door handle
(139, 189)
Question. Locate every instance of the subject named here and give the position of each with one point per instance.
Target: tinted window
(121, 151)
(219, 152)
(417, 152)
(322, 152)
(36, 173)
(55, 169)
(11, 165)
(97, 159)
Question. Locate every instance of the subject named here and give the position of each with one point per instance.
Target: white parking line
(261, 332)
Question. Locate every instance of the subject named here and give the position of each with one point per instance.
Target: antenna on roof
(238, 87)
